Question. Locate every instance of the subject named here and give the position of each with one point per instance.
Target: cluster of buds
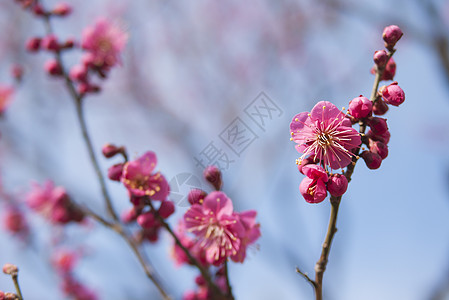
(64, 262)
(203, 291)
(54, 203)
(102, 44)
(143, 185)
(327, 140)
(13, 271)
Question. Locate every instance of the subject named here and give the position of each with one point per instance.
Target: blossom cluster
(327, 140)
(102, 43)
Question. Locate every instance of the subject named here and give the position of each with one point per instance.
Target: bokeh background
(190, 68)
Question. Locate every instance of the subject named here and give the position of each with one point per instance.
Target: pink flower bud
(38, 10)
(110, 150)
(10, 269)
(166, 209)
(384, 137)
(17, 72)
(147, 220)
(393, 94)
(306, 161)
(380, 58)
(378, 125)
(337, 185)
(33, 44)
(78, 73)
(213, 175)
(2, 295)
(379, 148)
(372, 160)
(360, 107)
(313, 187)
(50, 42)
(390, 70)
(196, 196)
(129, 215)
(62, 9)
(380, 107)
(53, 68)
(391, 36)
(115, 172)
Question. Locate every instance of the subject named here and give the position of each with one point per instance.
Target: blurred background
(189, 70)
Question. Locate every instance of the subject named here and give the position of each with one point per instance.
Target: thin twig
(228, 282)
(311, 281)
(15, 279)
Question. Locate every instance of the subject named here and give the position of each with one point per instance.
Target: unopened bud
(53, 68)
(379, 148)
(380, 107)
(380, 58)
(391, 35)
(10, 269)
(372, 160)
(393, 94)
(166, 209)
(360, 107)
(196, 196)
(62, 9)
(115, 172)
(110, 150)
(337, 185)
(378, 125)
(33, 44)
(213, 175)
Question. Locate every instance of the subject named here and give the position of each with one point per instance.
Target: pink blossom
(313, 187)
(6, 93)
(321, 133)
(252, 233)
(105, 41)
(217, 229)
(138, 177)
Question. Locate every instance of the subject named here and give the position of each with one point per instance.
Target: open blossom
(54, 203)
(5, 97)
(140, 180)
(216, 227)
(323, 134)
(105, 41)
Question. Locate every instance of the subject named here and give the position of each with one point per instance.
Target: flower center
(324, 139)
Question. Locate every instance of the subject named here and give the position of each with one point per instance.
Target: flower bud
(78, 73)
(380, 58)
(110, 150)
(384, 137)
(147, 220)
(379, 148)
(33, 44)
(391, 36)
(196, 196)
(390, 70)
(38, 10)
(306, 161)
(115, 172)
(380, 107)
(50, 42)
(378, 125)
(11, 296)
(337, 185)
(213, 175)
(393, 94)
(62, 9)
(166, 209)
(129, 215)
(372, 160)
(53, 68)
(360, 107)
(10, 269)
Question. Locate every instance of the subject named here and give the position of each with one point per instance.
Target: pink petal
(148, 162)
(219, 204)
(159, 185)
(298, 121)
(324, 111)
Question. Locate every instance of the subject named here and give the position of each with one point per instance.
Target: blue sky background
(189, 70)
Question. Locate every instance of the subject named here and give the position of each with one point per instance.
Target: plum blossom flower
(217, 228)
(323, 134)
(105, 41)
(313, 187)
(139, 179)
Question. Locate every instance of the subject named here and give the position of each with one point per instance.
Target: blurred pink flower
(322, 134)
(252, 233)
(217, 228)
(105, 41)
(6, 93)
(139, 179)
